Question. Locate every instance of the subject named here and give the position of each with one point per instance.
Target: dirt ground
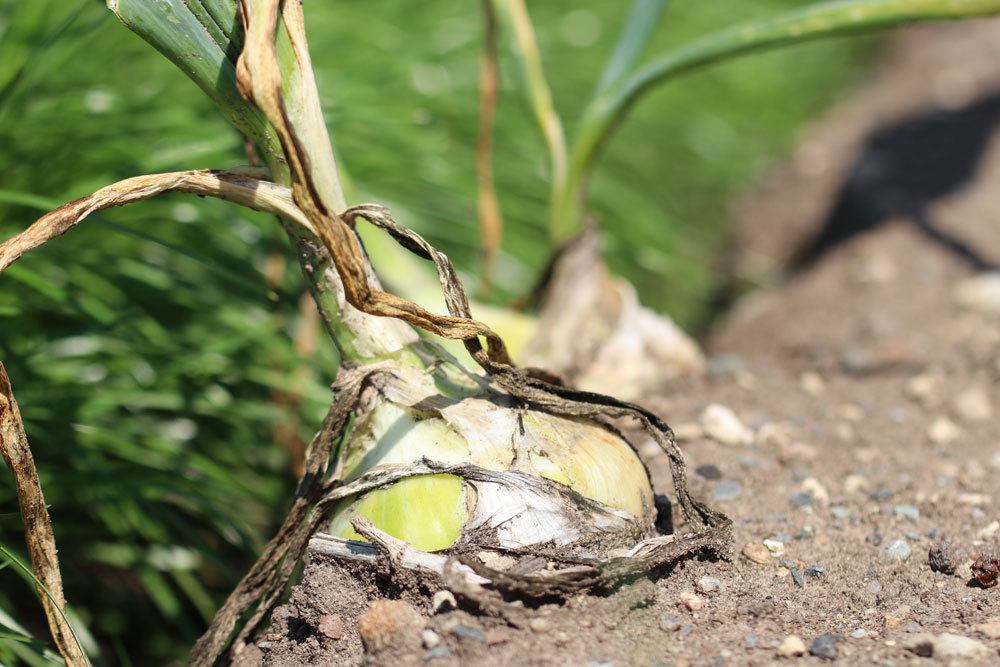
(869, 379)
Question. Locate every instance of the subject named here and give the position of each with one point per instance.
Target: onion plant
(423, 452)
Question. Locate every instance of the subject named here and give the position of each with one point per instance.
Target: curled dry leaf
(37, 527)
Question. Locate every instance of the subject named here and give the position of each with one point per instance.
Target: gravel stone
(389, 623)
(708, 584)
(947, 645)
(438, 652)
(896, 552)
(973, 405)
(757, 553)
(794, 571)
(709, 471)
(722, 425)
(825, 646)
(691, 600)
(817, 490)
(776, 547)
(815, 571)
(727, 490)
(942, 558)
(840, 512)
(906, 512)
(791, 647)
(467, 632)
(802, 499)
(331, 625)
(943, 431)
(980, 293)
(540, 625)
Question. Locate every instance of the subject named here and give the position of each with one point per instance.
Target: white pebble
(792, 646)
(973, 405)
(947, 645)
(775, 547)
(722, 425)
(943, 431)
(981, 293)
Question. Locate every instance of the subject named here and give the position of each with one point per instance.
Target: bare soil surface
(869, 385)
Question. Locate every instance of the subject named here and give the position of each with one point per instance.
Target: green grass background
(145, 346)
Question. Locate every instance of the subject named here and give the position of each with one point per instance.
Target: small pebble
(907, 512)
(980, 293)
(860, 633)
(881, 493)
(722, 425)
(943, 431)
(897, 551)
(794, 571)
(709, 471)
(825, 646)
(686, 629)
(331, 625)
(750, 641)
(855, 483)
(443, 601)
(670, 622)
(973, 405)
(791, 647)
(874, 587)
(727, 490)
(438, 652)
(540, 625)
(430, 638)
(775, 547)
(467, 632)
(802, 499)
(708, 584)
(989, 530)
(816, 489)
(815, 571)
(947, 645)
(921, 387)
(724, 365)
(840, 512)
(941, 557)
(691, 600)
(757, 553)
(812, 383)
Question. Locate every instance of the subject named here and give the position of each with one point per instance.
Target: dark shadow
(901, 170)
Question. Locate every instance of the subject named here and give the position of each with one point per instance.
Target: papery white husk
(559, 481)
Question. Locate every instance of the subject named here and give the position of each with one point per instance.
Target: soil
(873, 397)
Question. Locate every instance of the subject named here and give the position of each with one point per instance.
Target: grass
(146, 347)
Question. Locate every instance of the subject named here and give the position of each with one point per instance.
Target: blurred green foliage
(146, 346)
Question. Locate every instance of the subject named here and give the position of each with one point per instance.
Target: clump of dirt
(847, 422)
